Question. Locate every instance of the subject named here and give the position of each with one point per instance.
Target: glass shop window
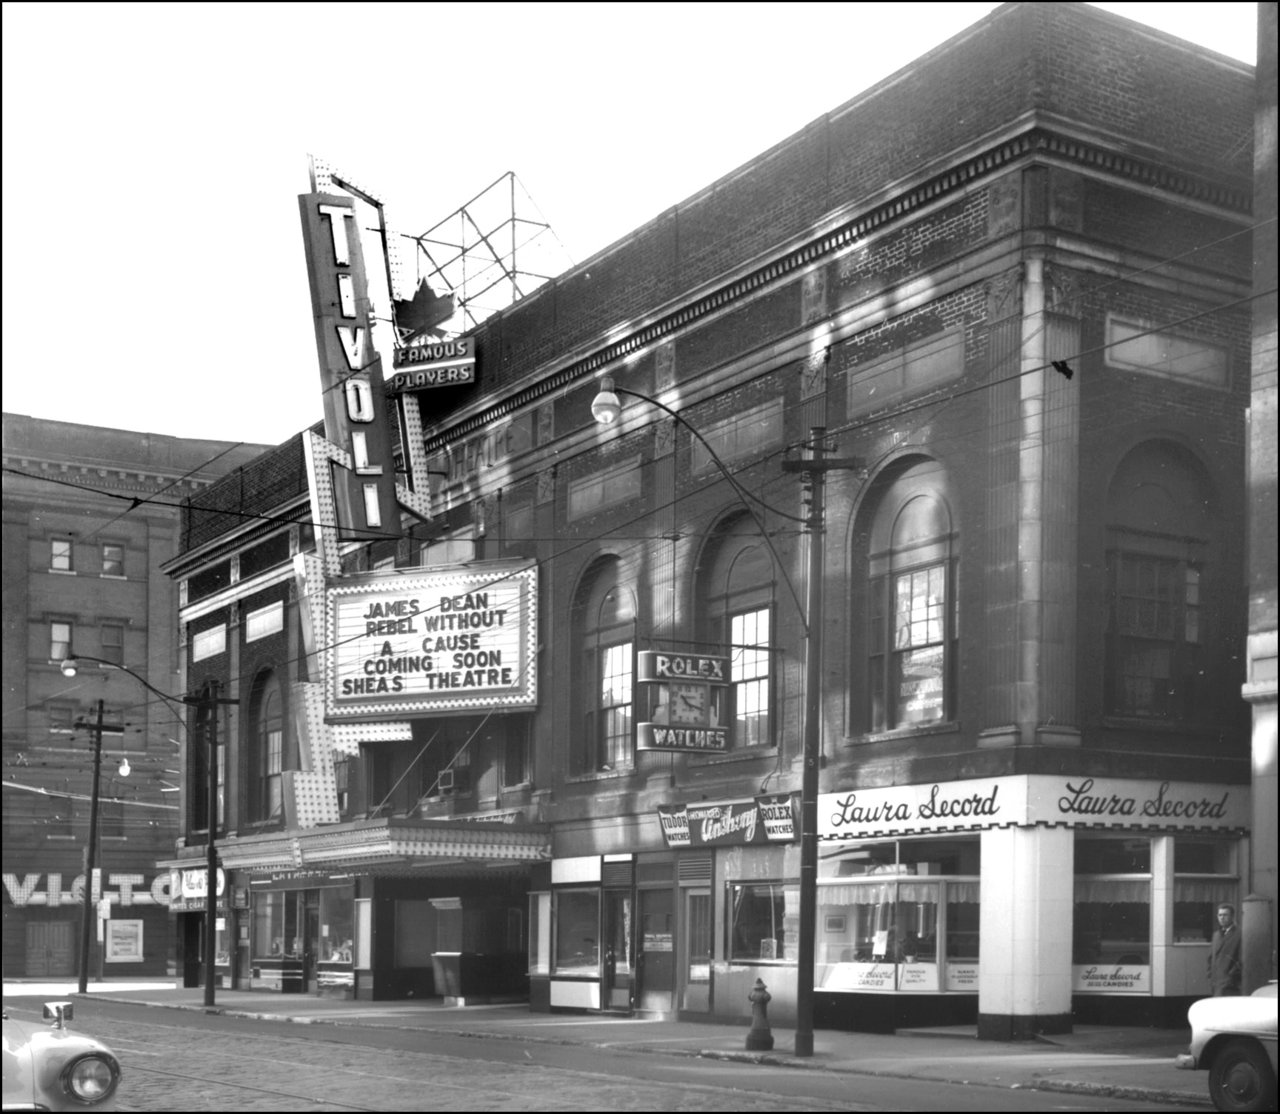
(337, 921)
(1204, 878)
(1112, 912)
(576, 919)
(764, 922)
(275, 924)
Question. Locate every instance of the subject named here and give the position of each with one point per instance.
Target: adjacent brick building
(90, 514)
(1010, 285)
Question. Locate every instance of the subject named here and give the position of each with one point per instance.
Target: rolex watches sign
(685, 700)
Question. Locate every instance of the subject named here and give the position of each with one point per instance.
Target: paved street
(196, 1061)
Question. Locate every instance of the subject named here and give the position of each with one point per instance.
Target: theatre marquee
(432, 643)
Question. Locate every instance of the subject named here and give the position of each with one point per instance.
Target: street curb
(1164, 1097)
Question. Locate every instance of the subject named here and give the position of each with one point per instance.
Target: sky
(154, 276)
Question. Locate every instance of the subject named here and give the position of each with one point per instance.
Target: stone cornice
(1036, 141)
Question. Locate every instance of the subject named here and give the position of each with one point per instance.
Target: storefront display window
(577, 931)
(893, 917)
(1204, 878)
(275, 925)
(1111, 926)
(337, 914)
(764, 919)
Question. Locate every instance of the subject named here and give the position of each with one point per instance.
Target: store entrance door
(696, 990)
(617, 950)
(655, 951)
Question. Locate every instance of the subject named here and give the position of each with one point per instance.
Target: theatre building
(528, 720)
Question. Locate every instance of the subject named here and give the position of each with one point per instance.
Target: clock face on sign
(689, 703)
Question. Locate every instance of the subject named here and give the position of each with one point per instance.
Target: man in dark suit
(1224, 954)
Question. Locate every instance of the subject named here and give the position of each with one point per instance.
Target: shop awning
(387, 842)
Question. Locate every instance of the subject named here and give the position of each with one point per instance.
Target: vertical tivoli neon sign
(355, 419)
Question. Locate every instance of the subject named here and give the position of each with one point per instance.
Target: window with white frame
(604, 629)
(911, 626)
(209, 642)
(264, 621)
(266, 730)
(60, 555)
(1139, 346)
(112, 560)
(736, 595)
(59, 640)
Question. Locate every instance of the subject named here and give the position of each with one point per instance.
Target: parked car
(52, 1068)
(1234, 1040)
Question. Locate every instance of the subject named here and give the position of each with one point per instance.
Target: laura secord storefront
(1024, 902)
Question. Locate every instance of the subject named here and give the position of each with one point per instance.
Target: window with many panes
(911, 620)
(735, 592)
(1155, 634)
(604, 629)
(1160, 545)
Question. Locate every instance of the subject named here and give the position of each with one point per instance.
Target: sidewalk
(1130, 1063)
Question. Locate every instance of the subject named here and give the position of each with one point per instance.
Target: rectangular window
(208, 643)
(607, 488)
(1155, 631)
(749, 673)
(744, 435)
(1133, 346)
(264, 621)
(272, 774)
(576, 925)
(913, 692)
(59, 640)
(1204, 878)
(1111, 925)
(515, 752)
(61, 718)
(113, 560)
(613, 709)
(112, 636)
(60, 555)
(342, 782)
(763, 922)
(905, 371)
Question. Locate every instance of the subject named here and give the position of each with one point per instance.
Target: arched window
(1159, 533)
(736, 595)
(265, 797)
(910, 613)
(604, 629)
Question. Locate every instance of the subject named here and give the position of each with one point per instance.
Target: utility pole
(814, 468)
(207, 704)
(91, 848)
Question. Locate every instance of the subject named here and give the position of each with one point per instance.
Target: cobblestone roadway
(181, 1067)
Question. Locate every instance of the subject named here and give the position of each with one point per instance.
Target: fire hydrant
(760, 1036)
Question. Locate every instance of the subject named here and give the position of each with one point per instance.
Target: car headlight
(91, 1078)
